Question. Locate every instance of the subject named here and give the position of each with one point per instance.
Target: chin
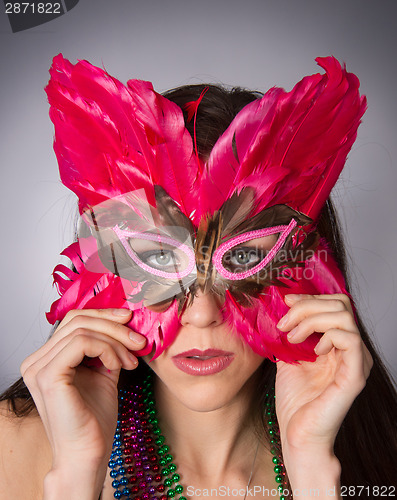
(203, 393)
(207, 396)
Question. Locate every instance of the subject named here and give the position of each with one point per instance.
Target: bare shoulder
(25, 455)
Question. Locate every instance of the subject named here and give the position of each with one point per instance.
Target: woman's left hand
(312, 398)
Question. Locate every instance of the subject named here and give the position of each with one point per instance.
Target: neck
(213, 443)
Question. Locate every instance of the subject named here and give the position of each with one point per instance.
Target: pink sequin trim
(123, 235)
(242, 238)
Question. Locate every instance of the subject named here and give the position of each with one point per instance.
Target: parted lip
(198, 362)
(210, 353)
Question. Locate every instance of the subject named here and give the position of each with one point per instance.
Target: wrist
(82, 482)
(315, 470)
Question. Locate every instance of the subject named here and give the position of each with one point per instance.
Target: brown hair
(366, 444)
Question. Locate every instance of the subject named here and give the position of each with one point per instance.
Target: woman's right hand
(77, 401)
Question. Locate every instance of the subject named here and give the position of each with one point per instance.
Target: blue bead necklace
(142, 467)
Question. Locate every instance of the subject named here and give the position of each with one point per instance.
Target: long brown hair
(366, 444)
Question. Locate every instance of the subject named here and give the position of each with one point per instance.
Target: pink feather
(110, 139)
(257, 324)
(83, 289)
(288, 144)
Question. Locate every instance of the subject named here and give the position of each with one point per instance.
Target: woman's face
(206, 366)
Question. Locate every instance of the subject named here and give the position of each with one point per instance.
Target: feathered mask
(157, 222)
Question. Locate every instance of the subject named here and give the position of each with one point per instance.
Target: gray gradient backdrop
(255, 43)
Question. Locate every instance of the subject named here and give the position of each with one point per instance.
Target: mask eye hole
(160, 258)
(241, 259)
(164, 259)
(157, 254)
(234, 261)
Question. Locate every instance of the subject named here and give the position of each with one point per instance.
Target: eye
(242, 258)
(161, 259)
(165, 260)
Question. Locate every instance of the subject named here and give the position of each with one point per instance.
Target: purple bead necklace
(142, 467)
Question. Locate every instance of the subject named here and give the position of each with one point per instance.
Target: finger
(117, 331)
(307, 306)
(292, 298)
(120, 315)
(72, 354)
(128, 359)
(46, 373)
(81, 322)
(116, 315)
(55, 381)
(348, 378)
(31, 373)
(342, 320)
(355, 364)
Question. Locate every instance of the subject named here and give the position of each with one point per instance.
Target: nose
(203, 312)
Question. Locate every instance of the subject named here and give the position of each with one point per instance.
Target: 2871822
(33, 8)
(368, 491)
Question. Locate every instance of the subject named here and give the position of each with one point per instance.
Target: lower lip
(194, 366)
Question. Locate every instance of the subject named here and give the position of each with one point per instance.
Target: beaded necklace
(141, 466)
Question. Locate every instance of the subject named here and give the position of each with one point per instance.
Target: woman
(211, 267)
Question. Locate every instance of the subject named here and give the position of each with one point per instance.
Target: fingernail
(317, 348)
(137, 338)
(133, 358)
(283, 321)
(121, 312)
(293, 297)
(292, 333)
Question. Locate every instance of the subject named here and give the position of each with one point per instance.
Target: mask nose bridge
(208, 238)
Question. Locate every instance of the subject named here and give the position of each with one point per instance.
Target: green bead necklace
(275, 446)
(141, 466)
